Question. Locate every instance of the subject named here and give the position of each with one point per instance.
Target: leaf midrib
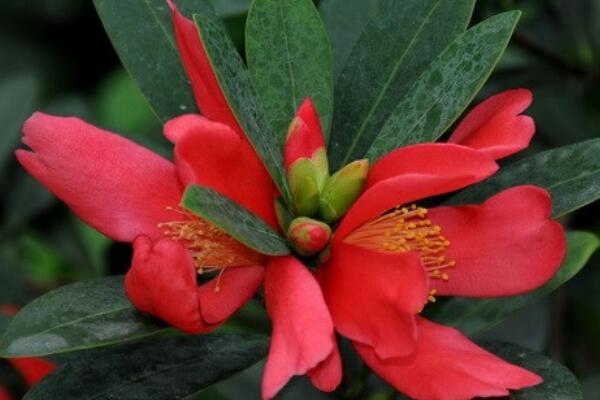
(288, 57)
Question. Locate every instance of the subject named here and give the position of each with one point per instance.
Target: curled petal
(495, 126)
(447, 366)
(305, 135)
(303, 337)
(118, 187)
(212, 154)
(506, 246)
(374, 296)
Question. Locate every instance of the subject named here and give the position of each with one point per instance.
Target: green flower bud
(307, 177)
(308, 235)
(342, 190)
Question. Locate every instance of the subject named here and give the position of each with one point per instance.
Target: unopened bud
(307, 177)
(342, 190)
(308, 236)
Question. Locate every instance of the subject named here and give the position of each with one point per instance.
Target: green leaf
(559, 383)
(237, 221)
(169, 369)
(142, 34)
(17, 97)
(344, 21)
(475, 316)
(4, 321)
(231, 8)
(236, 85)
(570, 173)
(79, 316)
(397, 45)
(447, 86)
(289, 58)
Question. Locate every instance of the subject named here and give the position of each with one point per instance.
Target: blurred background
(56, 57)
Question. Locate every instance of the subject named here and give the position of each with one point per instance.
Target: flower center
(211, 247)
(407, 229)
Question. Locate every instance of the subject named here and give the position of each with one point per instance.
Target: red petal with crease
(447, 366)
(399, 190)
(373, 296)
(438, 159)
(303, 336)
(506, 246)
(212, 154)
(162, 282)
(305, 136)
(495, 126)
(209, 96)
(32, 369)
(115, 185)
(222, 297)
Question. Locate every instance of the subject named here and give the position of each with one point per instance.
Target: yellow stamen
(407, 229)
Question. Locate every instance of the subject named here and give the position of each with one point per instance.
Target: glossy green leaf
(559, 383)
(475, 316)
(237, 221)
(398, 44)
(237, 87)
(571, 174)
(447, 86)
(344, 21)
(289, 59)
(17, 97)
(169, 369)
(142, 34)
(79, 316)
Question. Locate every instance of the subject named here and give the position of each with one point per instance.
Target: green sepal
(342, 190)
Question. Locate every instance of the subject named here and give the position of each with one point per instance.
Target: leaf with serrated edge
(289, 58)
(570, 173)
(237, 221)
(236, 85)
(79, 316)
(447, 86)
(559, 383)
(399, 43)
(168, 369)
(475, 316)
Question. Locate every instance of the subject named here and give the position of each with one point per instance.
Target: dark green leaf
(142, 34)
(559, 382)
(475, 316)
(238, 222)
(447, 86)
(231, 8)
(79, 316)
(398, 44)
(570, 173)
(4, 321)
(17, 96)
(344, 21)
(168, 369)
(236, 84)
(14, 286)
(289, 59)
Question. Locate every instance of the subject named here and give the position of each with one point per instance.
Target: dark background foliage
(56, 57)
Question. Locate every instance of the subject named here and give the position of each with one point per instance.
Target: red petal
(495, 126)
(328, 374)
(303, 336)
(162, 282)
(305, 136)
(32, 369)
(400, 190)
(447, 366)
(212, 154)
(209, 96)
(438, 159)
(373, 296)
(223, 296)
(118, 187)
(506, 246)
(4, 395)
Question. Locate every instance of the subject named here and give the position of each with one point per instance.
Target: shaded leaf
(475, 316)
(238, 222)
(236, 85)
(79, 316)
(4, 321)
(168, 369)
(447, 86)
(570, 173)
(231, 8)
(559, 383)
(289, 59)
(397, 45)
